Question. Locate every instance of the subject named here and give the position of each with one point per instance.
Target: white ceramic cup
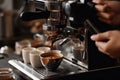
(35, 59)
(25, 54)
(44, 49)
(19, 45)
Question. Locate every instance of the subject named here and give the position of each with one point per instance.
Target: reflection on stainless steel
(62, 42)
(65, 68)
(66, 45)
(74, 43)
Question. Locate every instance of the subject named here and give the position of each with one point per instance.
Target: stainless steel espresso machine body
(55, 13)
(75, 21)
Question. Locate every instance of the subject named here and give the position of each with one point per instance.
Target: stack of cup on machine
(32, 55)
(36, 56)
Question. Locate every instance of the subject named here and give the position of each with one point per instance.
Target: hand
(108, 11)
(108, 43)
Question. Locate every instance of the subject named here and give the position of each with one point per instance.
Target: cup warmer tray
(66, 68)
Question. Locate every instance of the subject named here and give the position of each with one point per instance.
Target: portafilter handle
(29, 16)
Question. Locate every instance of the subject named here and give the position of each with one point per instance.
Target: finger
(101, 50)
(107, 53)
(102, 8)
(107, 21)
(104, 15)
(102, 47)
(100, 37)
(98, 1)
(107, 18)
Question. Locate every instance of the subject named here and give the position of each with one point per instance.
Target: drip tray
(66, 67)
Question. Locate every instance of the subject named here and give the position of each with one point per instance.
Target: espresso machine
(73, 16)
(75, 21)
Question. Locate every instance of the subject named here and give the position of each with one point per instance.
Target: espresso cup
(35, 59)
(25, 54)
(19, 45)
(52, 59)
(44, 49)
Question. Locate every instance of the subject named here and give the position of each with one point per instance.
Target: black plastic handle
(29, 16)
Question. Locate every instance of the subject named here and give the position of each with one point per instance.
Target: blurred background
(11, 26)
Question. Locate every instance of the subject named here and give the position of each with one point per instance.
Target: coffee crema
(46, 58)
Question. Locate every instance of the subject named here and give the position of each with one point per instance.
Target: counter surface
(106, 74)
(4, 64)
